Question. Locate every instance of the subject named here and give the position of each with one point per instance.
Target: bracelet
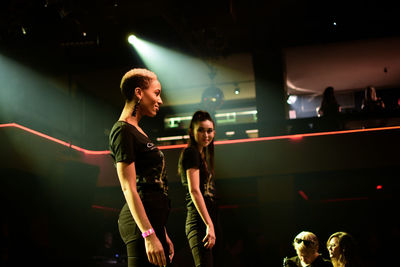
(148, 232)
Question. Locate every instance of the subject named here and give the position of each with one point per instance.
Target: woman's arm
(198, 200)
(127, 178)
(170, 245)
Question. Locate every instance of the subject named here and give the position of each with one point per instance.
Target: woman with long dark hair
(329, 112)
(329, 105)
(196, 167)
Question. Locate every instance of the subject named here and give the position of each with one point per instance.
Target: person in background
(141, 171)
(372, 103)
(373, 106)
(196, 167)
(343, 250)
(106, 251)
(329, 112)
(329, 105)
(306, 246)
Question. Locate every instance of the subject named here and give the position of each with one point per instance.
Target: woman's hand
(155, 250)
(209, 239)
(171, 247)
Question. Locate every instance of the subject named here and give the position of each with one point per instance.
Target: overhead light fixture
(237, 89)
(291, 99)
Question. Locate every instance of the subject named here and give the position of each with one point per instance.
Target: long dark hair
(197, 117)
(328, 96)
(329, 104)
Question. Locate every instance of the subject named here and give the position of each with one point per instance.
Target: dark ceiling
(92, 34)
(206, 28)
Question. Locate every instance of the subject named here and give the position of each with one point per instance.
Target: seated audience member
(306, 246)
(372, 103)
(343, 250)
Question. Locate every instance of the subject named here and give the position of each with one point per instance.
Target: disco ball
(212, 98)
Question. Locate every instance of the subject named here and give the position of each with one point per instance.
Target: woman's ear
(138, 93)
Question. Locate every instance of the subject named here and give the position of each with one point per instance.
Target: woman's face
(203, 133)
(333, 248)
(151, 99)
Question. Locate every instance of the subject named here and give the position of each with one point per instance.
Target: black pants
(137, 254)
(157, 208)
(196, 231)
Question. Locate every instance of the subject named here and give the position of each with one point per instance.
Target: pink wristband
(148, 232)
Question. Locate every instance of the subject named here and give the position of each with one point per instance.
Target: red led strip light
(104, 152)
(223, 142)
(292, 137)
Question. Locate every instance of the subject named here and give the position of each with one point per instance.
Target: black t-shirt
(318, 262)
(373, 106)
(129, 145)
(329, 110)
(191, 159)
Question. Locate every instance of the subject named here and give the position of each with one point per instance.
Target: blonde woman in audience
(343, 250)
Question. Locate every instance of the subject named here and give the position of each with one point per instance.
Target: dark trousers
(195, 233)
(157, 208)
(137, 254)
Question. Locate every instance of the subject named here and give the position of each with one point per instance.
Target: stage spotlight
(132, 39)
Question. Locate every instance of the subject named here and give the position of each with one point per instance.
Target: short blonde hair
(134, 78)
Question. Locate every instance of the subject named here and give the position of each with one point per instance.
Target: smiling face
(333, 248)
(150, 100)
(203, 133)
